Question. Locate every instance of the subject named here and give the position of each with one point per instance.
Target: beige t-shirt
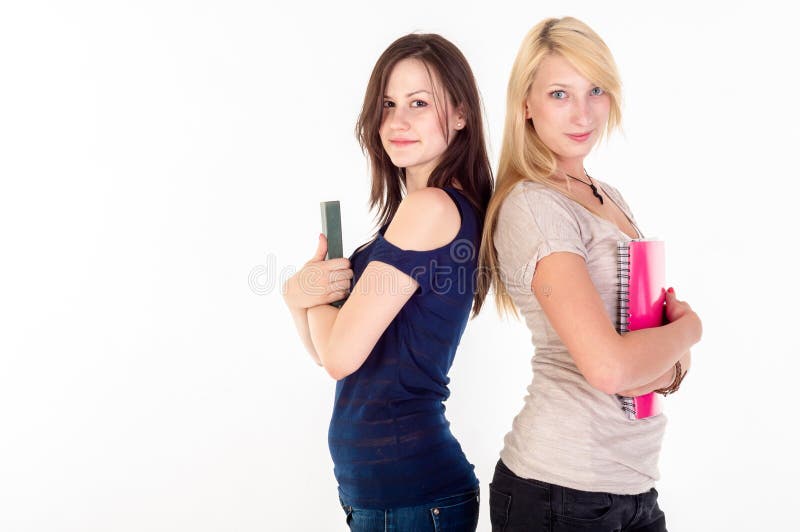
(569, 433)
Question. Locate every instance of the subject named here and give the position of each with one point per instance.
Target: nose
(397, 118)
(582, 112)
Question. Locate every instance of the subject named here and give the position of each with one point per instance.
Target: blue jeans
(458, 513)
(518, 504)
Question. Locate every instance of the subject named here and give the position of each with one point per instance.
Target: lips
(400, 143)
(580, 137)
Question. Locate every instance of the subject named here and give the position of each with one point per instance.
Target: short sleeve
(415, 264)
(533, 223)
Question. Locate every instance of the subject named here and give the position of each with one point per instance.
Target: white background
(162, 164)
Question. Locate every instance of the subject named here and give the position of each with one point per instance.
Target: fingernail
(671, 290)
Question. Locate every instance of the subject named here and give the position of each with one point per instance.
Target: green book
(332, 228)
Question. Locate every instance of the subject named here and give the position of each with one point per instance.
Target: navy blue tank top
(389, 439)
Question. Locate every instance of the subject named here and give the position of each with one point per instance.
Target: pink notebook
(642, 279)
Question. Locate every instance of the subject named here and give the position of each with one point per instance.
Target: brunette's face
(414, 130)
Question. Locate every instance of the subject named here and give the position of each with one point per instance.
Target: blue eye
(559, 94)
(597, 91)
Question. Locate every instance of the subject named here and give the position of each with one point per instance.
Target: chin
(398, 162)
(575, 154)
(403, 162)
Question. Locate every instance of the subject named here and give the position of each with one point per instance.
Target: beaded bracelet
(676, 382)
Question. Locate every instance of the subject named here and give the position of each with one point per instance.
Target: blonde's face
(569, 112)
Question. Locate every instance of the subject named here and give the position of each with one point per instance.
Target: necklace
(590, 184)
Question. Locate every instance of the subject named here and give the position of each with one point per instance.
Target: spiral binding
(623, 286)
(623, 313)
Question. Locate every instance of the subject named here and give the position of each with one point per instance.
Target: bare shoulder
(426, 219)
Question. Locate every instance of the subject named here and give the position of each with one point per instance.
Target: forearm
(320, 325)
(300, 318)
(663, 381)
(649, 355)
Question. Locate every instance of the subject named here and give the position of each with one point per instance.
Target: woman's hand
(677, 309)
(320, 281)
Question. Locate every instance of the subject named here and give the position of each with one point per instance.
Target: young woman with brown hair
(392, 343)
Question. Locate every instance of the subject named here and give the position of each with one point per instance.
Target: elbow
(608, 378)
(336, 366)
(337, 373)
(603, 368)
(606, 383)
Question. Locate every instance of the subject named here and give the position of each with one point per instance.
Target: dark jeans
(458, 513)
(517, 504)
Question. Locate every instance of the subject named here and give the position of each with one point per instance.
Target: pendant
(596, 193)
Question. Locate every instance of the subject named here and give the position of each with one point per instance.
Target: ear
(527, 111)
(460, 118)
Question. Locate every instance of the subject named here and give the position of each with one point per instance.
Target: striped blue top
(389, 439)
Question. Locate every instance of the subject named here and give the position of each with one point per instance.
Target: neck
(416, 180)
(573, 167)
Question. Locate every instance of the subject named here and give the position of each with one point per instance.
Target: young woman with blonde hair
(573, 460)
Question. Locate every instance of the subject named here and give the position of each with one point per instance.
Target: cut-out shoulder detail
(426, 219)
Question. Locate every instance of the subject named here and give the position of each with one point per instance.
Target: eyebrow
(567, 85)
(410, 94)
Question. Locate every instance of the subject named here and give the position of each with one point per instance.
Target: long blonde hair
(523, 155)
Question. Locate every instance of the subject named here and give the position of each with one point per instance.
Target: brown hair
(465, 158)
(523, 155)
